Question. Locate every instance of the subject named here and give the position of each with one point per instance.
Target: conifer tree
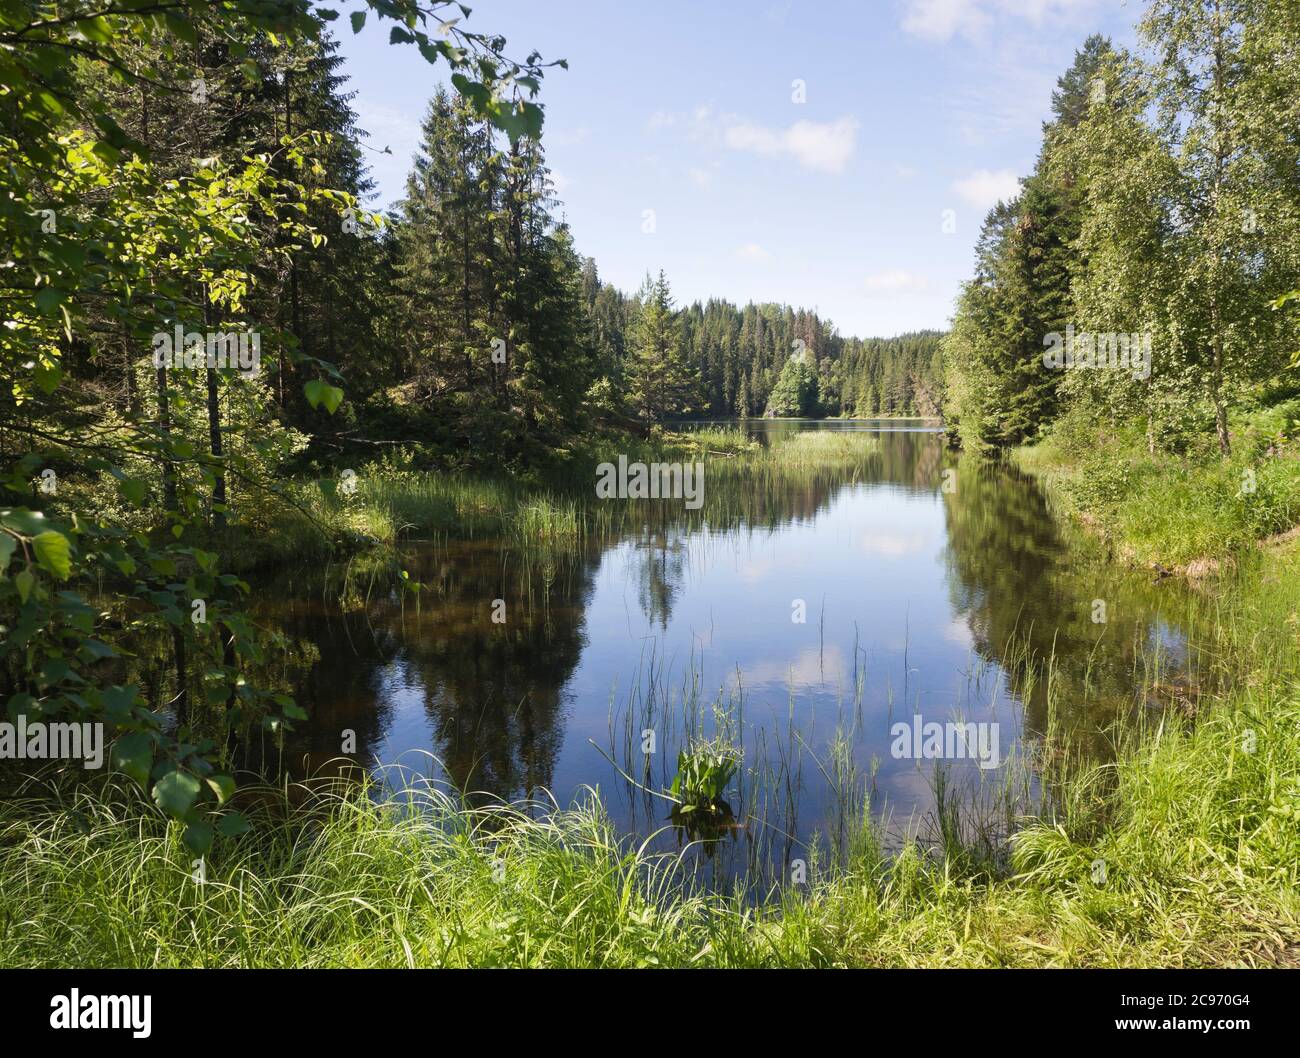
(658, 382)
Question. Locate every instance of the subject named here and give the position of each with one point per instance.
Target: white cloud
(824, 146)
(701, 178)
(751, 251)
(984, 188)
(942, 20)
(957, 631)
(895, 281)
(704, 124)
(809, 667)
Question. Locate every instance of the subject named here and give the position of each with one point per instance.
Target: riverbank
(1181, 849)
(1190, 512)
(1184, 850)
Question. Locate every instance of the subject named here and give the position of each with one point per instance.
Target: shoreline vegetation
(1189, 858)
(391, 501)
(1193, 513)
(1184, 850)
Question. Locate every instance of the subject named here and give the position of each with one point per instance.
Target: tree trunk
(214, 431)
(165, 431)
(1216, 322)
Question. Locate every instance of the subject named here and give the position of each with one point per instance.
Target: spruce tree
(658, 382)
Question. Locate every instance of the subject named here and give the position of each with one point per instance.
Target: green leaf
(21, 705)
(182, 28)
(134, 490)
(118, 702)
(358, 20)
(223, 786)
(232, 824)
(198, 836)
(54, 553)
(7, 547)
(24, 582)
(47, 376)
(106, 152)
(532, 118)
(23, 521)
(53, 670)
(98, 30)
(318, 393)
(133, 755)
(478, 95)
(48, 298)
(176, 792)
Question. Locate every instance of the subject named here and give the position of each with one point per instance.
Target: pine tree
(658, 381)
(443, 282)
(1025, 264)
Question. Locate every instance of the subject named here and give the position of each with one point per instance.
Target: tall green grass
(390, 503)
(1196, 829)
(1176, 508)
(1181, 849)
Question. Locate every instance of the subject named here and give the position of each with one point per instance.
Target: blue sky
(688, 109)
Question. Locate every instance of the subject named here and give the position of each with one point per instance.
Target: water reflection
(928, 587)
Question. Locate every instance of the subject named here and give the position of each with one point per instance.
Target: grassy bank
(1198, 831)
(1190, 510)
(379, 504)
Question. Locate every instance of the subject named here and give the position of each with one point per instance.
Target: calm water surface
(931, 588)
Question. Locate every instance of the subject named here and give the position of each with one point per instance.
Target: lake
(916, 634)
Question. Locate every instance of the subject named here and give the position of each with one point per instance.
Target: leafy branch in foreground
(114, 235)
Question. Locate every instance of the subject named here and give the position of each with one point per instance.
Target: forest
(1164, 206)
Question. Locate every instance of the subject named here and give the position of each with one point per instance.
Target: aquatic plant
(704, 768)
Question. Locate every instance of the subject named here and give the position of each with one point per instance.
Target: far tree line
(495, 336)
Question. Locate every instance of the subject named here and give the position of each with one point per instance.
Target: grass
(1188, 510)
(1198, 835)
(818, 448)
(1181, 849)
(712, 441)
(388, 502)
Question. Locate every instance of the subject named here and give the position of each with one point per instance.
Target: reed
(1199, 853)
(385, 504)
